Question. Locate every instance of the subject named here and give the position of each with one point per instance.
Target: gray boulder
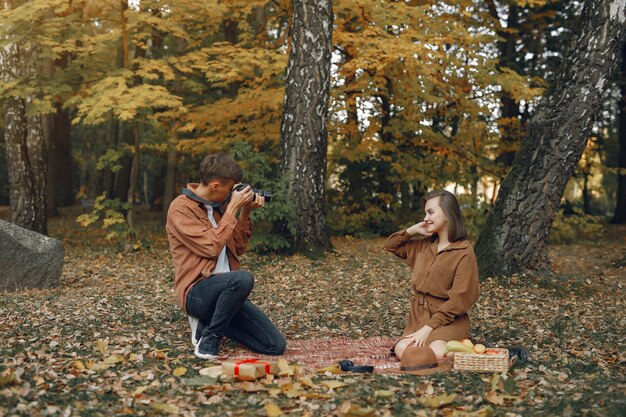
(28, 259)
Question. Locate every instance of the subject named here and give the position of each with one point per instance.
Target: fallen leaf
(113, 359)
(251, 387)
(333, 369)
(494, 398)
(101, 346)
(99, 367)
(213, 371)
(495, 382)
(8, 378)
(292, 390)
(199, 381)
(307, 381)
(383, 393)
(348, 409)
(157, 354)
(140, 390)
(180, 371)
(272, 410)
(166, 408)
(482, 412)
(333, 384)
(437, 401)
(274, 392)
(284, 369)
(79, 365)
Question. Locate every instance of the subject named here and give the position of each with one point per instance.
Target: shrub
(262, 174)
(569, 228)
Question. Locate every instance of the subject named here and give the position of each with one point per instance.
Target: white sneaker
(208, 347)
(193, 323)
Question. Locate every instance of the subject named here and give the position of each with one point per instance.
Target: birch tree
(25, 146)
(304, 121)
(514, 237)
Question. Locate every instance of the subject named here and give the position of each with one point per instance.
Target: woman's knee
(438, 346)
(399, 348)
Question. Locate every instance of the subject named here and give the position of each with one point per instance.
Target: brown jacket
(196, 245)
(451, 276)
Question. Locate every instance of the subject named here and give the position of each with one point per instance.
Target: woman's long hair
(450, 207)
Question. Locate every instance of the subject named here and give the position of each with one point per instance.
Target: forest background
(109, 105)
(423, 95)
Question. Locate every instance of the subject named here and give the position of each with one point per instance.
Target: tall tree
(514, 238)
(25, 147)
(304, 121)
(620, 209)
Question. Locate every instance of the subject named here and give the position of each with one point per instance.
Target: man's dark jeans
(221, 303)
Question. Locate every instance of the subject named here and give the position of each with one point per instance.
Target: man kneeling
(206, 239)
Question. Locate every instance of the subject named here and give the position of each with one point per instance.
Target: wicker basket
(495, 362)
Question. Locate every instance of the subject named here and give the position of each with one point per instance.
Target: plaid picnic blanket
(320, 353)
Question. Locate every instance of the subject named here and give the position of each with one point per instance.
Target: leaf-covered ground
(111, 340)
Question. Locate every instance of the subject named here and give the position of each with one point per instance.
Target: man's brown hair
(219, 166)
(450, 207)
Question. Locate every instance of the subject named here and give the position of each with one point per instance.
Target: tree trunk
(134, 174)
(51, 205)
(619, 217)
(586, 193)
(169, 192)
(514, 238)
(112, 139)
(47, 70)
(37, 152)
(125, 133)
(304, 122)
(62, 154)
(170, 176)
(21, 195)
(509, 120)
(25, 147)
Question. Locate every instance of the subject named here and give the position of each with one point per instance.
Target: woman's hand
(419, 228)
(420, 336)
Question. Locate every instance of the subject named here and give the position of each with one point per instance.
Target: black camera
(261, 193)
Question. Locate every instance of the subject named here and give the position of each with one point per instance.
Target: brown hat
(421, 360)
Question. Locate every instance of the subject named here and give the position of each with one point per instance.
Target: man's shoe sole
(207, 356)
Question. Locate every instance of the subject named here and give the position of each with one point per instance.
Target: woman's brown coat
(444, 284)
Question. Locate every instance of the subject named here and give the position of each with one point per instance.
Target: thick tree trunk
(37, 152)
(619, 216)
(25, 147)
(514, 238)
(21, 195)
(304, 122)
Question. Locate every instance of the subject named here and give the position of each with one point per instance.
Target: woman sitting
(444, 275)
